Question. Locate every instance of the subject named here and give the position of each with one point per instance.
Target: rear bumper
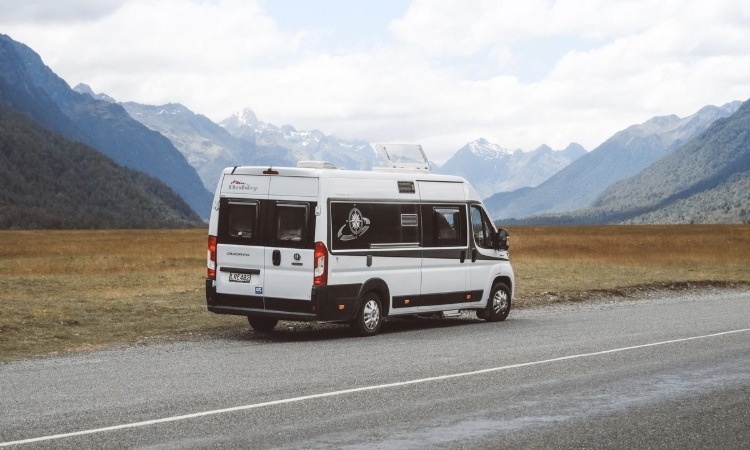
(326, 303)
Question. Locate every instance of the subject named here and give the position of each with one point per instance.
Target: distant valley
(622, 156)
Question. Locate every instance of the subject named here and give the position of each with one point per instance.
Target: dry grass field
(76, 290)
(574, 262)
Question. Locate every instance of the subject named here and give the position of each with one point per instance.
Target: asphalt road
(668, 372)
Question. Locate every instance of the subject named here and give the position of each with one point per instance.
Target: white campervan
(314, 243)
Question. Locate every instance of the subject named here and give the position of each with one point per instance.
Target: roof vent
(403, 157)
(316, 165)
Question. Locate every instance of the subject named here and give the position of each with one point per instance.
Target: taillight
(320, 265)
(211, 257)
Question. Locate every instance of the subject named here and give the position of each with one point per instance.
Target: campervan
(315, 243)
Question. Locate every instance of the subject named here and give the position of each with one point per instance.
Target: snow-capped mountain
(206, 146)
(492, 168)
(303, 145)
(244, 140)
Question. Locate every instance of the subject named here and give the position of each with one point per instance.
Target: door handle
(473, 255)
(463, 255)
(276, 257)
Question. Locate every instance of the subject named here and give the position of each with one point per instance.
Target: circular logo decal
(357, 223)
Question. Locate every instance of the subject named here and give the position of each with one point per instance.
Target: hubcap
(500, 301)
(371, 314)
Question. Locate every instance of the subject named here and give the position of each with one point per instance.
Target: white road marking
(146, 423)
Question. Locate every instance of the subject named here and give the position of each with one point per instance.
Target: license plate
(240, 277)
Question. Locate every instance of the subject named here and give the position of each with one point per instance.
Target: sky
(440, 73)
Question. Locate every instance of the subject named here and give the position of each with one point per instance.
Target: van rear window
(238, 221)
(266, 222)
(242, 220)
(292, 224)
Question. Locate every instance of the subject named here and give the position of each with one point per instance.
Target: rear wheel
(369, 316)
(262, 324)
(498, 305)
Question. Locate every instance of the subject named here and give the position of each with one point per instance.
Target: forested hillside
(27, 85)
(50, 182)
(704, 181)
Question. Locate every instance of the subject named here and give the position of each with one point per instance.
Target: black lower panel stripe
(443, 298)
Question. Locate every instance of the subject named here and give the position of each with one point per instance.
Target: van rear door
(265, 241)
(290, 247)
(289, 252)
(240, 252)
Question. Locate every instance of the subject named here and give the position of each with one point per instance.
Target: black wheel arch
(380, 287)
(506, 280)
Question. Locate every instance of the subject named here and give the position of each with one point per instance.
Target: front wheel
(262, 324)
(498, 305)
(369, 316)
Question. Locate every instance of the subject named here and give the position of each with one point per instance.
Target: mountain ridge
(706, 180)
(717, 157)
(621, 156)
(242, 139)
(491, 168)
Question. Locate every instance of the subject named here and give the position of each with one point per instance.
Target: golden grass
(568, 260)
(68, 290)
(72, 290)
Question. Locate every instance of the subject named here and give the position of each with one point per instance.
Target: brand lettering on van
(238, 185)
(357, 223)
(237, 254)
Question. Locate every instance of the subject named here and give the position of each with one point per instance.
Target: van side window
(481, 228)
(358, 226)
(447, 227)
(241, 220)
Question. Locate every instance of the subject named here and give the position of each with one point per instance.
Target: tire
(498, 304)
(262, 324)
(369, 316)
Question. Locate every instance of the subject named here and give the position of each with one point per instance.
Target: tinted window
(263, 222)
(290, 225)
(448, 226)
(481, 228)
(373, 225)
(239, 221)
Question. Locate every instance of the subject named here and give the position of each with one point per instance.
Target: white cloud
(47, 12)
(443, 74)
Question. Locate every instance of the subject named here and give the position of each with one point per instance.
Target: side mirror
(501, 239)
